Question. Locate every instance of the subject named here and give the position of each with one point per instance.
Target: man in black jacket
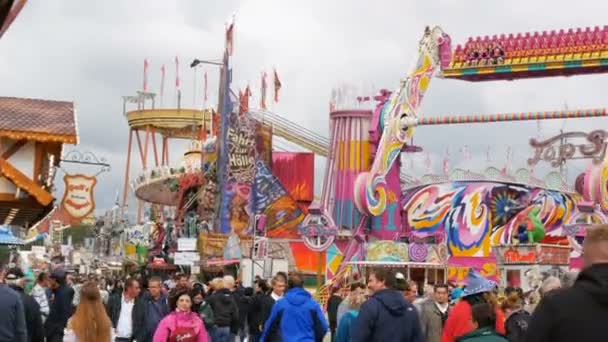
(61, 308)
(12, 319)
(33, 319)
(386, 316)
(226, 314)
(578, 313)
(332, 311)
(127, 313)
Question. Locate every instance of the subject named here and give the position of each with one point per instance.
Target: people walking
(90, 323)
(344, 306)
(226, 313)
(348, 319)
(33, 319)
(155, 306)
(181, 325)
(517, 319)
(479, 290)
(12, 319)
(126, 312)
(296, 317)
(386, 315)
(578, 313)
(256, 321)
(61, 306)
(278, 286)
(434, 314)
(39, 293)
(483, 319)
(332, 311)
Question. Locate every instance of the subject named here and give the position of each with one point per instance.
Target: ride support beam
(126, 186)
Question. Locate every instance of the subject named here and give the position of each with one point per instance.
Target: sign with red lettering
(78, 200)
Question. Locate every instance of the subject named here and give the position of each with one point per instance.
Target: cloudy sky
(92, 52)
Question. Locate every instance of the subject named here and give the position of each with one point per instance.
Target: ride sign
(78, 199)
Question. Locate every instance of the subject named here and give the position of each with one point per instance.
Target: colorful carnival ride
(242, 198)
(453, 221)
(246, 202)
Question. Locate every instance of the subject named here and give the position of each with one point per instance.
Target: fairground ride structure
(377, 187)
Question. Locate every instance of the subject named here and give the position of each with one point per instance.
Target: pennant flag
(214, 122)
(488, 154)
(263, 88)
(176, 73)
(205, 88)
(230, 38)
(146, 65)
(428, 162)
(162, 82)
(446, 162)
(277, 86)
(244, 101)
(505, 169)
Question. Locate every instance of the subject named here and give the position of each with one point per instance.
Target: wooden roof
(38, 120)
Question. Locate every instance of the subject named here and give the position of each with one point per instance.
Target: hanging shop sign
(78, 199)
(560, 148)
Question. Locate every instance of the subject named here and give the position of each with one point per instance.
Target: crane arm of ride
(399, 115)
(293, 132)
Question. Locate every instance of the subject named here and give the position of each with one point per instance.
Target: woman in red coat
(460, 322)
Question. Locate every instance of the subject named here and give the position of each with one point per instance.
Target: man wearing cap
(33, 320)
(61, 308)
(460, 320)
(12, 319)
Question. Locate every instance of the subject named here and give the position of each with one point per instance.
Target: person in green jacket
(348, 319)
(484, 320)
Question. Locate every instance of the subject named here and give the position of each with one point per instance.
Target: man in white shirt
(126, 312)
(39, 294)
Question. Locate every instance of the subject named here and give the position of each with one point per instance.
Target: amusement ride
(227, 192)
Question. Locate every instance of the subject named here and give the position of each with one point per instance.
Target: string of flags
(244, 95)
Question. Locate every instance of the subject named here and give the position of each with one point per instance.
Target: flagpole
(194, 92)
(162, 85)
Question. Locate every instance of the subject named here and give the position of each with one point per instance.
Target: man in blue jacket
(12, 319)
(386, 316)
(296, 317)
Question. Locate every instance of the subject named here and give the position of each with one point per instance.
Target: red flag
(146, 65)
(243, 101)
(214, 123)
(230, 39)
(176, 73)
(277, 86)
(263, 88)
(446, 162)
(428, 163)
(205, 96)
(247, 92)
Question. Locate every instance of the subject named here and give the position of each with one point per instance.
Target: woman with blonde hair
(90, 323)
(356, 300)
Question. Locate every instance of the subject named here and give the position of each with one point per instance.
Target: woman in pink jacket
(181, 325)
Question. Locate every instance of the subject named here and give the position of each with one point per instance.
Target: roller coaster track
(293, 132)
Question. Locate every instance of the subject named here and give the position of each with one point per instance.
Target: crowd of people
(389, 308)
(61, 307)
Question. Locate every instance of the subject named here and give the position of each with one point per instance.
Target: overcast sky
(92, 52)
